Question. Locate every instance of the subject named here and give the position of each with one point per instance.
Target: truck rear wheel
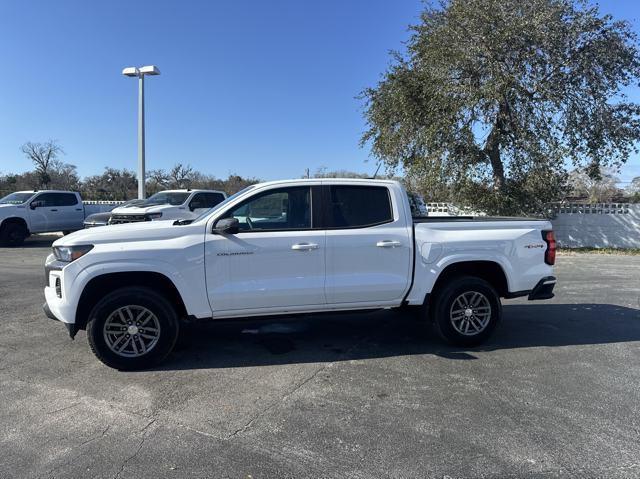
(132, 328)
(466, 311)
(13, 234)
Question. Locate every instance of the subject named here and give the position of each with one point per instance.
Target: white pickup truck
(169, 205)
(290, 247)
(25, 212)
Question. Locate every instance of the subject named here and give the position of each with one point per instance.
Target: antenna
(376, 173)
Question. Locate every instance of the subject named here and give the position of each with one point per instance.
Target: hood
(137, 210)
(6, 210)
(128, 233)
(98, 217)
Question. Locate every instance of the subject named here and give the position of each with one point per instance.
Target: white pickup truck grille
(119, 219)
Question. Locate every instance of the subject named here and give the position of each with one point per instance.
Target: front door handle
(54, 210)
(304, 246)
(388, 244)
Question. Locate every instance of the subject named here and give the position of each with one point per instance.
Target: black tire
(461, 290)
(143, 297)
(13, 234)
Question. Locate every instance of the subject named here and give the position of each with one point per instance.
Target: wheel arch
(490, 271)
(99, 285)
(14, 220)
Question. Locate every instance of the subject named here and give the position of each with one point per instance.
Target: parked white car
(169, 205)
(26, 212)
(287, 247)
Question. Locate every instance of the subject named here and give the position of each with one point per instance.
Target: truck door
(42, 212)
(71, 211)
(275, 260)
(368, 251)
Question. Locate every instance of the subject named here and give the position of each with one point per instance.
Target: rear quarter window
(66, 199)
(354, 206)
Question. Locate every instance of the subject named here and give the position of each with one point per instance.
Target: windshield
(166, 198)
(15, 198)
(130, 203)
(225, 202)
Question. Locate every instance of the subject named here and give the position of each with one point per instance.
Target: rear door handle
(388, 244)
(54, 210)
(304, 246)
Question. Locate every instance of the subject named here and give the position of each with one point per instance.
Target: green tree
(113, 184)
(494, 97)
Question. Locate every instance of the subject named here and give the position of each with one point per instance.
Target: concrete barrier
(613, 225)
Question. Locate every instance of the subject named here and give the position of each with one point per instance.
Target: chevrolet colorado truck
(293, 247)
(168, 205)
(25, 212)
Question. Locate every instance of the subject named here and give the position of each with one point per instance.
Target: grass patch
(620, 251)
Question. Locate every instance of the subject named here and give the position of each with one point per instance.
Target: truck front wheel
(132, 328)
(13, 234)
(466, 311)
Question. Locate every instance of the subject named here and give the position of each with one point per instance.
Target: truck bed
(457, 219)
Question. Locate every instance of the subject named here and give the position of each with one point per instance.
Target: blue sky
(256, 88)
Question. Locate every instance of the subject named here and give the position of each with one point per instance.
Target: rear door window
(355, 206)
(65, 199)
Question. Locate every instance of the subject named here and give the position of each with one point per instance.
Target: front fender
(189, 283)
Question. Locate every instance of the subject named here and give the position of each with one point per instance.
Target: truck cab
(26, 212)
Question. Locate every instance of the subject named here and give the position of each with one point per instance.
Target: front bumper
(49, 314)
(544, 288)
(57, 305)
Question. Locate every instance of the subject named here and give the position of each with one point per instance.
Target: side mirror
(34, 204)
(227, 226)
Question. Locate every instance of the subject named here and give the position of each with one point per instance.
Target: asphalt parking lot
(556, 392)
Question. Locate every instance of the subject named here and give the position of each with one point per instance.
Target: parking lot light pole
(140, 73)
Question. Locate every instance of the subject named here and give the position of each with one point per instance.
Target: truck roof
(193, 190)
(46, 191)
(366, 181)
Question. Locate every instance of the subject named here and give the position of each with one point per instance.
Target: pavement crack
(138, 449)
(296, 388)
(95, 438)
(63, 408)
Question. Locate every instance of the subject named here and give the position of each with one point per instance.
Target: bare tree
(157, 180)
(181, 175)
(43, 156)
(633, 190)
(324, 172)
(596, 190)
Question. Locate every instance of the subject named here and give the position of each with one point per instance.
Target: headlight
(71, 253)
(154, 216)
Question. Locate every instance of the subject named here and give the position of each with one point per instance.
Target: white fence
(614, 225)
(447, 209)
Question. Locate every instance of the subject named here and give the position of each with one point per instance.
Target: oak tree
(494, 100)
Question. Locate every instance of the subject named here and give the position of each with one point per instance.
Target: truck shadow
(329, 338)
